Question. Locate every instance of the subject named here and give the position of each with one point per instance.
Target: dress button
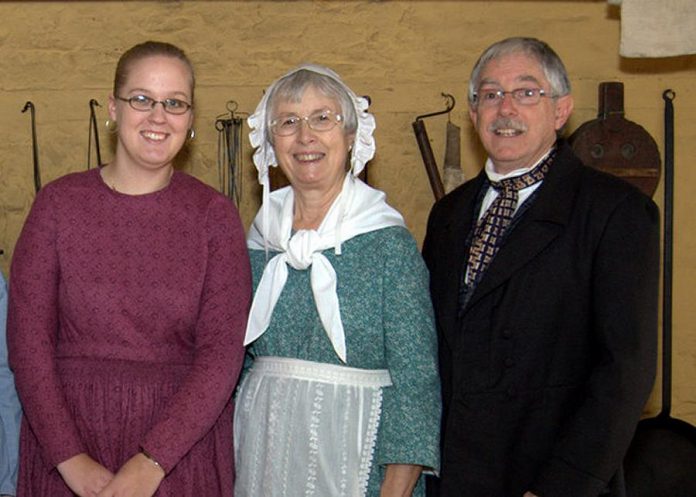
(507, 333)
(509, 362)
(511, 392)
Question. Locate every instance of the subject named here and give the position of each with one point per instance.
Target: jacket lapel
(543, 222)
(456, 232)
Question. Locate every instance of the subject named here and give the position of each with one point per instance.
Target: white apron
(304, 428)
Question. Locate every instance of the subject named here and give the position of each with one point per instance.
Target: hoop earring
(191, 134)
(111, 126)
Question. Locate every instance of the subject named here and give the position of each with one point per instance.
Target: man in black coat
(544, 278)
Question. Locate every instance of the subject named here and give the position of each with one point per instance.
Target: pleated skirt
(114, 404)
(306, 429)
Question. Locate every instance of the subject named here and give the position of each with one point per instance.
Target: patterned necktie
(492, 226)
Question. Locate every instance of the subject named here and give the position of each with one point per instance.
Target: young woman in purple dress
(128, 301)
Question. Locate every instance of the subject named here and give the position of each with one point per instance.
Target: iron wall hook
(94, 129)
(451, 102)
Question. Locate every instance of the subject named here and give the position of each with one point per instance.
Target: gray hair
(550, 62)
(292, 87)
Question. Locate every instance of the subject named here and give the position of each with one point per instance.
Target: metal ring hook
(222, 122)
(232, 106)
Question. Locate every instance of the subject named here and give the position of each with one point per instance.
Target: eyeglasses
(489, 97)
(143, 103)
(323, 120)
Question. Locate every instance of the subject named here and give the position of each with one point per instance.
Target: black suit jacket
(547, 369)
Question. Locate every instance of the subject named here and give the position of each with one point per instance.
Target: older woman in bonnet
(341, 393)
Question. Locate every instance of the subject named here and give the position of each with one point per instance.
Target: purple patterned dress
(126, 320)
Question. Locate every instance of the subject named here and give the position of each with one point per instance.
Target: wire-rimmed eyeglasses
(492, 97)
(289, 124)
(143, 103)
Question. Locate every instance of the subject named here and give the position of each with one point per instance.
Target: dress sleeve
(10, 410)
(595, 439)
(410, 423)
(219, 333)
(32, 331)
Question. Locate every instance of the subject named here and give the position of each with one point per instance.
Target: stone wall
(402, 54)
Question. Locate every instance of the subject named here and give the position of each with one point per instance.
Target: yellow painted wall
(403, 54)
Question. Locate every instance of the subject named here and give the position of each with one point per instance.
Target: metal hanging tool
(613, 144)
(35, 146)
(452, 174)
(93, 132)
(427, 151)
(660, 460)
(230, 151)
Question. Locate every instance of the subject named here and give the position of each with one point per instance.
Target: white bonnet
(264, 157)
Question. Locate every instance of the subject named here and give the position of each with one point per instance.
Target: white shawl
(357, 209)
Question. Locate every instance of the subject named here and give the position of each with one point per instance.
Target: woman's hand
(85, 476)
(138, 477)
(399, 480)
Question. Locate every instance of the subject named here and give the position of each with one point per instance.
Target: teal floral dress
(388, 322)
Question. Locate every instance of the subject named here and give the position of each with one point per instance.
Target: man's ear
(564, 107)
(473, 116)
